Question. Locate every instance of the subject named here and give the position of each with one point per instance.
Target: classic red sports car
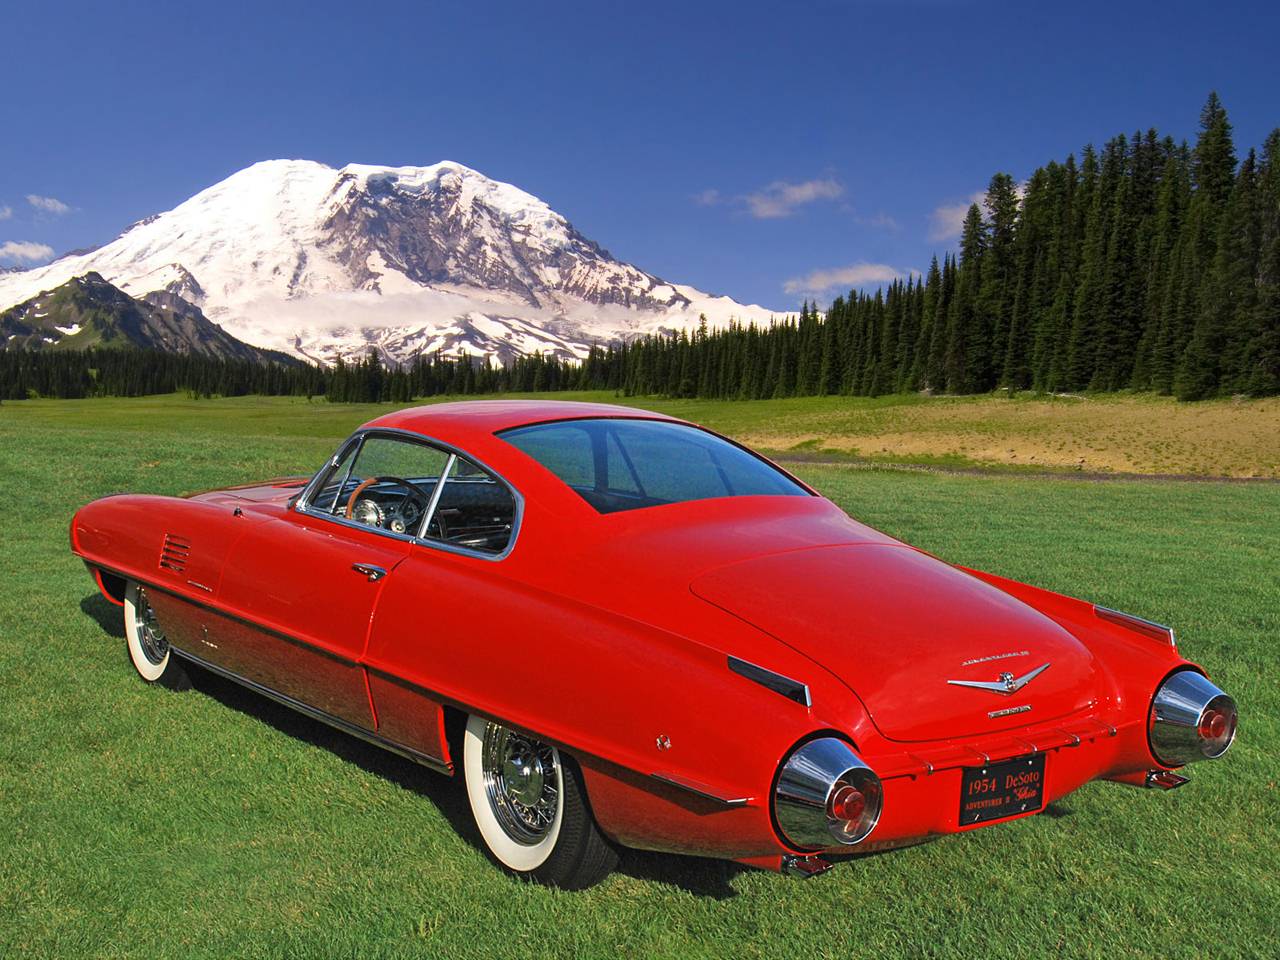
(626, 629)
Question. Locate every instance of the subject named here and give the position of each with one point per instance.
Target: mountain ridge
(326, 263)
(87, 311)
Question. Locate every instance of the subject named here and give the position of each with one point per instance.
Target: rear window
(627, 464)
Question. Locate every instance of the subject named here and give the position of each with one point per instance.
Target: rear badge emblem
(1006, 685)
(1009, 711)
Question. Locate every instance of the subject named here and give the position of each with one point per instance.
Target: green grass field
(142, 822)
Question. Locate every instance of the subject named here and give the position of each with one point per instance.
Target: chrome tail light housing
(1191, 719)
(826, 796)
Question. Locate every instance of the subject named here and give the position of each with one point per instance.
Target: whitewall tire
(148, 649)
(529, 806)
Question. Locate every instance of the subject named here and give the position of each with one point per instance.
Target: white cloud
(879, 220)
(781, 198)
(947, 220)
(842, 278)
(47, 204)
(6, 213)
(24, 250)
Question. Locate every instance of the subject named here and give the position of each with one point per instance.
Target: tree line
(1150, 264)
(128, 372)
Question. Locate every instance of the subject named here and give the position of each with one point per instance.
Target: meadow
(143, 822)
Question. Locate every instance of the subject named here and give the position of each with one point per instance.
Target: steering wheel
(413, 488)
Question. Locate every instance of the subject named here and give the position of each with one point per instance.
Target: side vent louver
(791, 689)
(175, 553)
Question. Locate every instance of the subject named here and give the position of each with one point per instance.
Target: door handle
(369, 570)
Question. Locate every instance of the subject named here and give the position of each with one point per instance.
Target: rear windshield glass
(626, 464)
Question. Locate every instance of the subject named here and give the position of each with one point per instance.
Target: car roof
(458, 420)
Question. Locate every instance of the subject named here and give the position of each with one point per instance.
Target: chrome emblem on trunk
(1006, 685)
(1009, 711)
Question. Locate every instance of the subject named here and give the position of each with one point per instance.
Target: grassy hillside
(140, 822)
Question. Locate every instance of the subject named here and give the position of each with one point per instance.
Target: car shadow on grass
(696, 875)
(105, 613)
(699, 876)
(1056, 811)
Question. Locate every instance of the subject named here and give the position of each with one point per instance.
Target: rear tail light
(826, 796)
(1191, 719)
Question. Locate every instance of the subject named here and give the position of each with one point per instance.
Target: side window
(475, 510)
(389, 484)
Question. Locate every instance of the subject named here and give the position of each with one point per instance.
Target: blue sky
(766, 151)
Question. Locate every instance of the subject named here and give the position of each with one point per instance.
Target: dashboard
(397, 512)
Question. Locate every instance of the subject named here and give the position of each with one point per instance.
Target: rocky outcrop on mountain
(88, 311)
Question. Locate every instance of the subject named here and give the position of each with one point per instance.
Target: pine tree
(966, 335)
(1213, 170)
(1262, 353)
(996, 283)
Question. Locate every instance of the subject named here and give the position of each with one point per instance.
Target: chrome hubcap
(522, 783)
(150, 637)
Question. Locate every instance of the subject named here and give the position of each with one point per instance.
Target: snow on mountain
(298, 256)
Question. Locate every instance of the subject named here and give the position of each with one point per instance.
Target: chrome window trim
(429, 514)
(302, 504)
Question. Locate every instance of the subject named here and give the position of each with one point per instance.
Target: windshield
(627, 464)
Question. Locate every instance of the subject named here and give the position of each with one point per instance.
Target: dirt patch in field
(1143, 436)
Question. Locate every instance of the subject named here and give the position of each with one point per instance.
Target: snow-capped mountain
(298, 256)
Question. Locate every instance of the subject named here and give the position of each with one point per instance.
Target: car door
(456, 565)
(303, 589)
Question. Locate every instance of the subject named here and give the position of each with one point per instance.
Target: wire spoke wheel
(146, 642)
(151, 637)
(522, 782)
(530, 806)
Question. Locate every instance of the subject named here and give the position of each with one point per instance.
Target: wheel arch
(112, 585)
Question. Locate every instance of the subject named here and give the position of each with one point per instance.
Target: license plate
(1003, 789)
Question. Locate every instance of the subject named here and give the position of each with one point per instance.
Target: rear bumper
(922, 786)
(921, 782)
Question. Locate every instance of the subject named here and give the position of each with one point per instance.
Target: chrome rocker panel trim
(440, 766)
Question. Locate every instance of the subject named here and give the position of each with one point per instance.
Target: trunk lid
(896, 625)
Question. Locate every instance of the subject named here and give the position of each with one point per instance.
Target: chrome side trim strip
(337, 723)
(699, 789)
(1148, 628)
(791, 689)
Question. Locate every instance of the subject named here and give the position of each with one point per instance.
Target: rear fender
(1136, 661)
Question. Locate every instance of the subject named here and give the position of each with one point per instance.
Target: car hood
(278, 490)
(896, 625)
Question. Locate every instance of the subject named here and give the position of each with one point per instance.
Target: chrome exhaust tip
(1165, 779)
(826, 796)
(805, 868)
(1191, 719)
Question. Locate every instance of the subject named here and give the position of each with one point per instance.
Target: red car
(623, 629)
